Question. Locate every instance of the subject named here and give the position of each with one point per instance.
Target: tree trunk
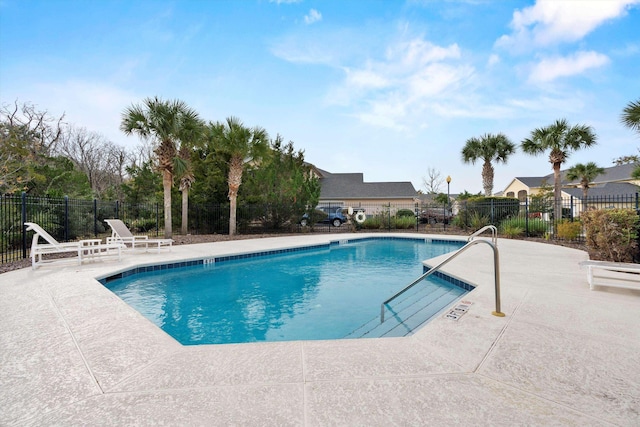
(232, 212)
(235, 179)
(167, 183)
(185, 211)
(487, 178)
(557, 194)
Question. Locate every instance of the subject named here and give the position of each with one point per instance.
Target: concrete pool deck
(72, 353)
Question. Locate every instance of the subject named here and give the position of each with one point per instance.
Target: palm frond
(631, 115)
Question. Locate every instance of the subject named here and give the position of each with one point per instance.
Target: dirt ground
(206, 238)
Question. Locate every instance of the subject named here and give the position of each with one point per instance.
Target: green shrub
(511, 231)
(460, 220)
(569, 230)
(403, 213)
(536, 226)
(612, 234)
(404, 223)
(373, 222)
(142, 225)
(494, 208)
(477, 220)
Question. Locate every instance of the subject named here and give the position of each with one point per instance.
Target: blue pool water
(324, 293)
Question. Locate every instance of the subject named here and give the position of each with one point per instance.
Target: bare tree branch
(432, 181)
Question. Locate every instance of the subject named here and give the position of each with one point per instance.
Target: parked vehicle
(435, 215)
(332, 215)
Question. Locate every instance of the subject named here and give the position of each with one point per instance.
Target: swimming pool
(322, 292)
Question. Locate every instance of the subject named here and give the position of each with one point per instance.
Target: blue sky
(386, 88)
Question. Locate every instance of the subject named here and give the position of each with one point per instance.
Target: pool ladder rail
(494, 234)
(496, 270)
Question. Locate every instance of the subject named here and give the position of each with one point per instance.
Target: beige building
(613, 188)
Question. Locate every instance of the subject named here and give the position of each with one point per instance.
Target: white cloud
(550, 22)
(552, 68)
(313, 16)
(418, 52)
(366, 79)
(397, 90)
(493, 60)
(311, 52)
(94, 105)
(285, 1)
(628, 50)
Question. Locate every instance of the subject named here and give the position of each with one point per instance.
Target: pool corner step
(407, 316)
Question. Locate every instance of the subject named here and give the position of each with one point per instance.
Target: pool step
(412, 309)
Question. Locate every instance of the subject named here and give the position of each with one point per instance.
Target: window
(522, 195)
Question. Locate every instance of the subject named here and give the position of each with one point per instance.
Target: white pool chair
(613, 274)
(121, 233)
(83, 249)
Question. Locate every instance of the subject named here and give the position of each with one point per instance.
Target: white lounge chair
(121, 233)
(83, 249)
(614, 274)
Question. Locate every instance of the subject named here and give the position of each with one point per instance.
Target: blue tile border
(456, 282)
(226, 258)
(149, 268)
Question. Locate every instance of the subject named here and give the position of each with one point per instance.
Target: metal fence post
(23, 214)
(157, 219)
(117, 208)
(466, 215)
(493, 214)
(444, 216)
(66, 218)
(95, 217)
(526, 216)
(571, 208)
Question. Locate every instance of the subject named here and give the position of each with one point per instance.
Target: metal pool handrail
(496, 271)
(494, 233)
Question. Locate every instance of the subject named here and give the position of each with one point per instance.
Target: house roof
(352, 186)
(535, 181)
(612, 174)
(610, 189)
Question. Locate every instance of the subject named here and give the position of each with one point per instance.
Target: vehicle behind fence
(68, 219)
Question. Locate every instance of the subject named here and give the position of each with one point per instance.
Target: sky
(391, 89)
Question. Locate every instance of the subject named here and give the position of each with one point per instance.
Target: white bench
(614, 274)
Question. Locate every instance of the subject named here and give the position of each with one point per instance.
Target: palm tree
(184, 172)
(165, 124)
(631, 119)
(192, 135)
(489, 148)
(560, 139)
(631, 115)
(242, 145)
(586, 174)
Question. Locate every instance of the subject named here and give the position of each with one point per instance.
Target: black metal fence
(68, 219)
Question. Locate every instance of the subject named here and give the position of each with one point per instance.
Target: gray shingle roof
(611, 189)
(535, 181)
(352, 185)
(612, 174)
